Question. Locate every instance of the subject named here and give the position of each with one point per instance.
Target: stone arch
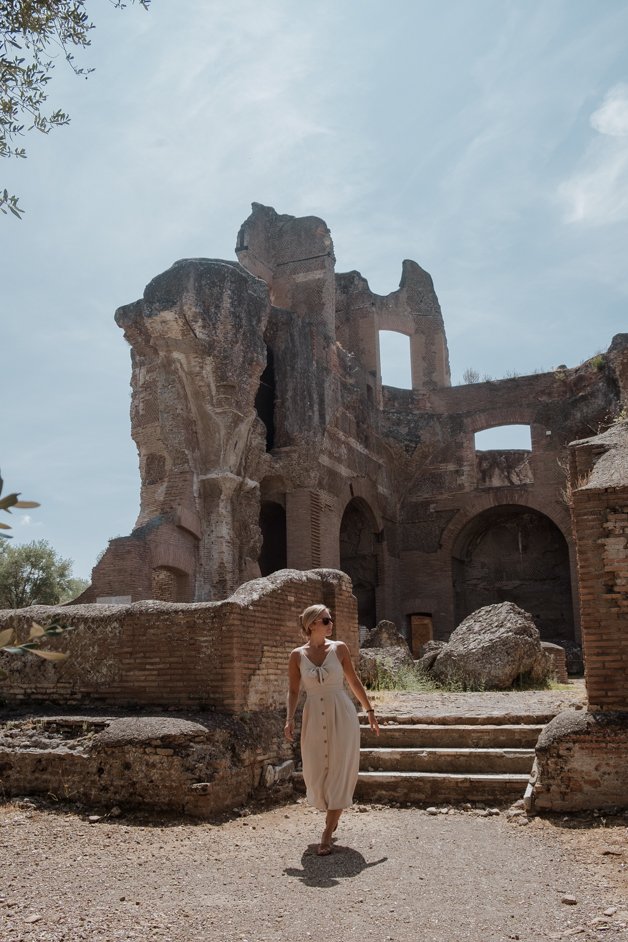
(359, 536)
(516, 553)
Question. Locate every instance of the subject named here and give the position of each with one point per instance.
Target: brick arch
(492, 418)
(512, 551)
(482, 502)
(365, 490)
(398, 321)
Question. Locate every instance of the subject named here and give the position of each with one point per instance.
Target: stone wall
(230, 655)
(582, 760)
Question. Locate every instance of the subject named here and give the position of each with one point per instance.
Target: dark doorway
(272, 522)
(358, 557)
(515, 554)
(265, 399)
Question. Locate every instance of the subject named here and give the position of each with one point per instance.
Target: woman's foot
(325, 847)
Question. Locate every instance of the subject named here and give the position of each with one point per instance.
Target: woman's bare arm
(356, 684)
(294, 687)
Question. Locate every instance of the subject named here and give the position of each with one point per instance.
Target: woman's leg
(331, 823)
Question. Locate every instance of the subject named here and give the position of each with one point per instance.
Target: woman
(330, 731)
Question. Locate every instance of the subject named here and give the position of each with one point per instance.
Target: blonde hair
(309, 616)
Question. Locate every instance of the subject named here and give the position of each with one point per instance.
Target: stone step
(456, 719)
(514, 761)
(436, 787)
(459, 736)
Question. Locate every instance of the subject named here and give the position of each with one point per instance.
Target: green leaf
(13, 650)
(50, 655)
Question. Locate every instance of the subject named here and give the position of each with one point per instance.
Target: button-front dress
(330, 734)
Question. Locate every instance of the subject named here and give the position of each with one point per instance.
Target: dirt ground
(396, 874)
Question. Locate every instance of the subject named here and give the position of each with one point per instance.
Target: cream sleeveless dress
(330, 734)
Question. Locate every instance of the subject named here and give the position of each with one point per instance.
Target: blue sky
(486, 139)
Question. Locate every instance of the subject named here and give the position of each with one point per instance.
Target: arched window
(394, 359)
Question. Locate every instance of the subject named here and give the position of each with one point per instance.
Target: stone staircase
(448, 759)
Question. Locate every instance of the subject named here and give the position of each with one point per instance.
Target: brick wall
(601, 527)
(229, 655)
(582, 762)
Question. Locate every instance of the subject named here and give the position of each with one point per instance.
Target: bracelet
(371, 710)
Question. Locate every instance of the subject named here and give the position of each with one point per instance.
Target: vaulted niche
(272, 522)
(515, 554)
(358, 557)
(265, 399)
(171, 585)
(394, 359)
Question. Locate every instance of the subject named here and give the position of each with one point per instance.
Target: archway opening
(515, 554)
(272, 523)
(358, 557)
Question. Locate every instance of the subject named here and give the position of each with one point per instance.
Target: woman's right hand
(288, 730)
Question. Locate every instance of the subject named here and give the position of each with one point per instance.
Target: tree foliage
(32, 574)
(32, 34)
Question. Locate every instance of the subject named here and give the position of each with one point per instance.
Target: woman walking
(330, 732)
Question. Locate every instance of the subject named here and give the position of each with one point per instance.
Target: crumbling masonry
(267, 441)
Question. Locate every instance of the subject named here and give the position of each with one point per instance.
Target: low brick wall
(230, 655)
(582, 762)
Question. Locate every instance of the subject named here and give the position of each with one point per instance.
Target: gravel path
(396, 874)
(484, 703)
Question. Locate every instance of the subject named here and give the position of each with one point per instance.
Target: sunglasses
(326, 620)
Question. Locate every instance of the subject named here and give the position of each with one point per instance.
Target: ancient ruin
(271, 456)
(266, 440)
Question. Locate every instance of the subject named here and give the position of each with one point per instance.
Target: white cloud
(597, 193)
(612, 115)
(27, 521)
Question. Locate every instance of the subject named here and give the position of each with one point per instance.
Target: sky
(485, 139)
